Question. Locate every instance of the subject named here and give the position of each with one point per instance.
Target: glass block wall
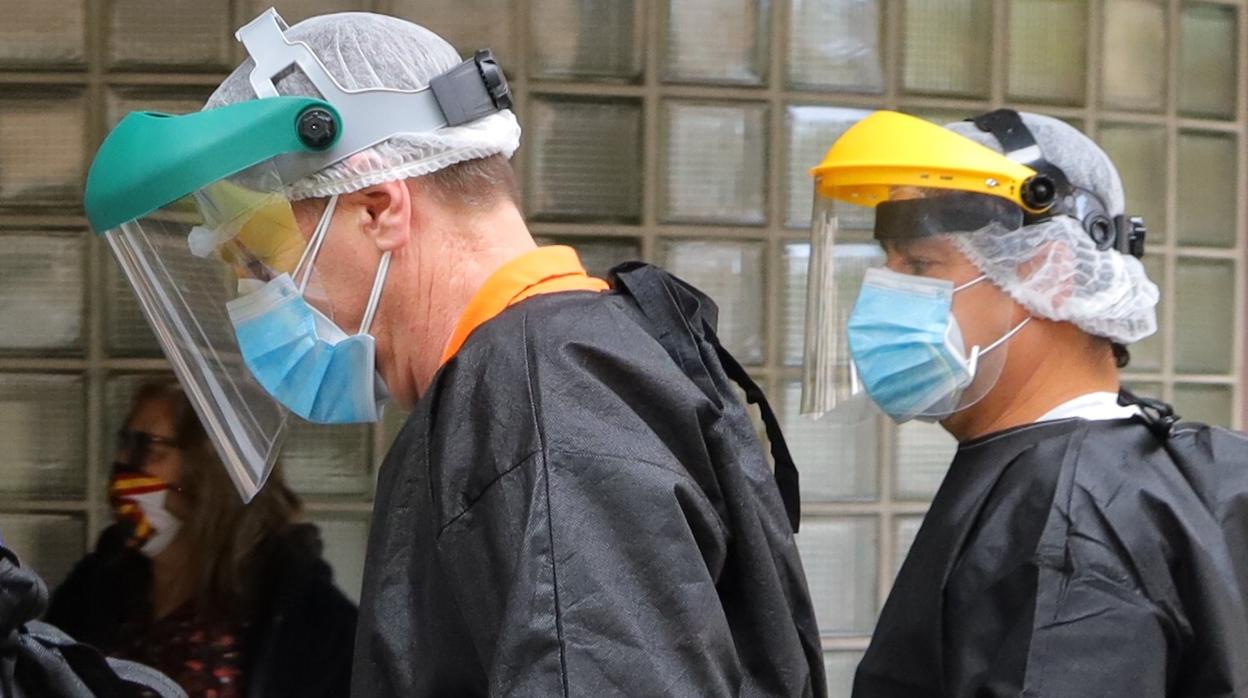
(678, 131)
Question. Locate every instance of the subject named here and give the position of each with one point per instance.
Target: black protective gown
(1076, 558)
(579, 506)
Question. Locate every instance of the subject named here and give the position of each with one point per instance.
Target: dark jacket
(1075, 558)
(38, 660)
(300, 637)
(580, 506)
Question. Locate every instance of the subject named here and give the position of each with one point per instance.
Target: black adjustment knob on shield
(1039, 192)
(317, 128)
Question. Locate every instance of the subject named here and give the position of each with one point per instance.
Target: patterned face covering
(138, 499)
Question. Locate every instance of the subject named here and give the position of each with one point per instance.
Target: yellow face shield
(889, 151)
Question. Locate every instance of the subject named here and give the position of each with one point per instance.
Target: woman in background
(228, 599)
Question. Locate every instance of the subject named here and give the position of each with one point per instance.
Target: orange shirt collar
(553, 269)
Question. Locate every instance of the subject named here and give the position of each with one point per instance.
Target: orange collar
(554, 269)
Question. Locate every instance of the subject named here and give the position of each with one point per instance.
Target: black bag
(39, 661)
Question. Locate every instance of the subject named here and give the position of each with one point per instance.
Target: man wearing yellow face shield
(1084, 542)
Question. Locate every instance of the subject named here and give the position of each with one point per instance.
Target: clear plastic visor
(185, 262)
(929, 340)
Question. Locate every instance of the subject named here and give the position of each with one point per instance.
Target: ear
(385, 213)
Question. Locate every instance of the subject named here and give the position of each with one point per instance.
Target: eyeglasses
(138, 444)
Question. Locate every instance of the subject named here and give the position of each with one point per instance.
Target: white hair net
(1053, 268)
(362, 50)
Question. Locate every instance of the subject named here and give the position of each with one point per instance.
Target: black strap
(671, 302)
(787, 480)
(1158, 415)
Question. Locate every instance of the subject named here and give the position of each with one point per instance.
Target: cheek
(167, 466)
(984, 314)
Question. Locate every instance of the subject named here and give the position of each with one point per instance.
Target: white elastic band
(970, 283)
(314, 244)
(374, 298)
(1006, 336)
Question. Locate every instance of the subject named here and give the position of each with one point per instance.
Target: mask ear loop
(374, 298)
(972, 362)
(314, 245)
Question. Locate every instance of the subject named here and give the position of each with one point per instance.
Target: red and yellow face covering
(138, 499)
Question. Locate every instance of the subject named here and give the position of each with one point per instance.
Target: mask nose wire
(314, 245)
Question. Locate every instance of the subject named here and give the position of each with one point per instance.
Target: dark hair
(474, 184)
(225, 533)
(1122, 355)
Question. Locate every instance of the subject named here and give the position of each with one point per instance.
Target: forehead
(154, 416)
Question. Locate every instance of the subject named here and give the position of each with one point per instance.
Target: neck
(171, 583)
(1042, 372)
(441, 272)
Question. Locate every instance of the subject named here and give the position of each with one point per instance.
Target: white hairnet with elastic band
(364, 51)
(1054, 268)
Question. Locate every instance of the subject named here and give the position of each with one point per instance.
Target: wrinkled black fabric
(299, 640)
(1075, 558)
(40, 661)
(579, 506)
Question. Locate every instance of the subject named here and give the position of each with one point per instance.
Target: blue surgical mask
(907, 347)
(304, 360)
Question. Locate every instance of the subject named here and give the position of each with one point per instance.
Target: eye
(918, 266)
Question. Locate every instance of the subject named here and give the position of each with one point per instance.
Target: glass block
(1146, 354)
(327, 461)
(1203, 340)
(723, 41)
(49, 544)
(1134, 55)
(467, 24)
(41, 284)
(584, 159)
(125, 327)
(43, 429)
(839, 555)
(346, 541)
(835, 46)
(905, 528)
(41, 148)
(1139, 154)
(795, 263)
(599, 255)
(1145, 389)
(189, 34)
(835, 454)
(943, 47)
(123, 100)
(1210, 404)
(811, 132)
(587, 39)
(731, 273)
(715, 163)
(924, 452)
(1207, 189)
(39, 34)
(840, 668)
(1207, 60)
(1048, 56)
(392, 420)
(298, 10)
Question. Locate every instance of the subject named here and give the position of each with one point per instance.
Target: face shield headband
(470, 91)
(1049, 193)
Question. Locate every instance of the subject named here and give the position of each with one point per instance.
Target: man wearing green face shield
(578, 503)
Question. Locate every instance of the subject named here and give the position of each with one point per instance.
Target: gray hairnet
(362, 50)
(1053, 268)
